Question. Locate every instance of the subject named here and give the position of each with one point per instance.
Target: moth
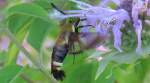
(68, 39)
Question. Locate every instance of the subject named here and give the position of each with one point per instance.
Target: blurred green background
(28, 33)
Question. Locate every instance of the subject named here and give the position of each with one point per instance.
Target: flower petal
(117, 35)
(138, 30)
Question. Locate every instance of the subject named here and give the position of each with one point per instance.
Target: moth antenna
(58, 9)
(85, 26)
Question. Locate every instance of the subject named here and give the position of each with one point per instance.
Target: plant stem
(27, 54)
(26, 78)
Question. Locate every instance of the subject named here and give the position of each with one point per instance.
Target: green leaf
(81, 73)
(77, 72)
(29, 10)
(106, 76)
(130, 57)
(146, 79)
(37, 33)
(21, 15)
(102, 66)
(17, 22)
(131, 74)
(9, 73)
(44, 4)
(32, 75)
(23, 18)
(18, 25)
(125, 58)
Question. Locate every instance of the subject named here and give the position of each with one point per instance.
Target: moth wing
(83, 41)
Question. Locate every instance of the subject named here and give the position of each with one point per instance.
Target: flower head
(104, 19)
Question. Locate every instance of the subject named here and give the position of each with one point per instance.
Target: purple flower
(103, 18)
(100, 18)
(138, 7)
(148, 12)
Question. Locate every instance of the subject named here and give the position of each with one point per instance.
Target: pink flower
(102, 48)
(22, 60)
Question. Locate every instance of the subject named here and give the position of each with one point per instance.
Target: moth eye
(71, 20)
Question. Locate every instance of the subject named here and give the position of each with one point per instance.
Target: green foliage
(37, 33)
(27, 9)
(31, 22)
(23, 18)
(9, 73)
